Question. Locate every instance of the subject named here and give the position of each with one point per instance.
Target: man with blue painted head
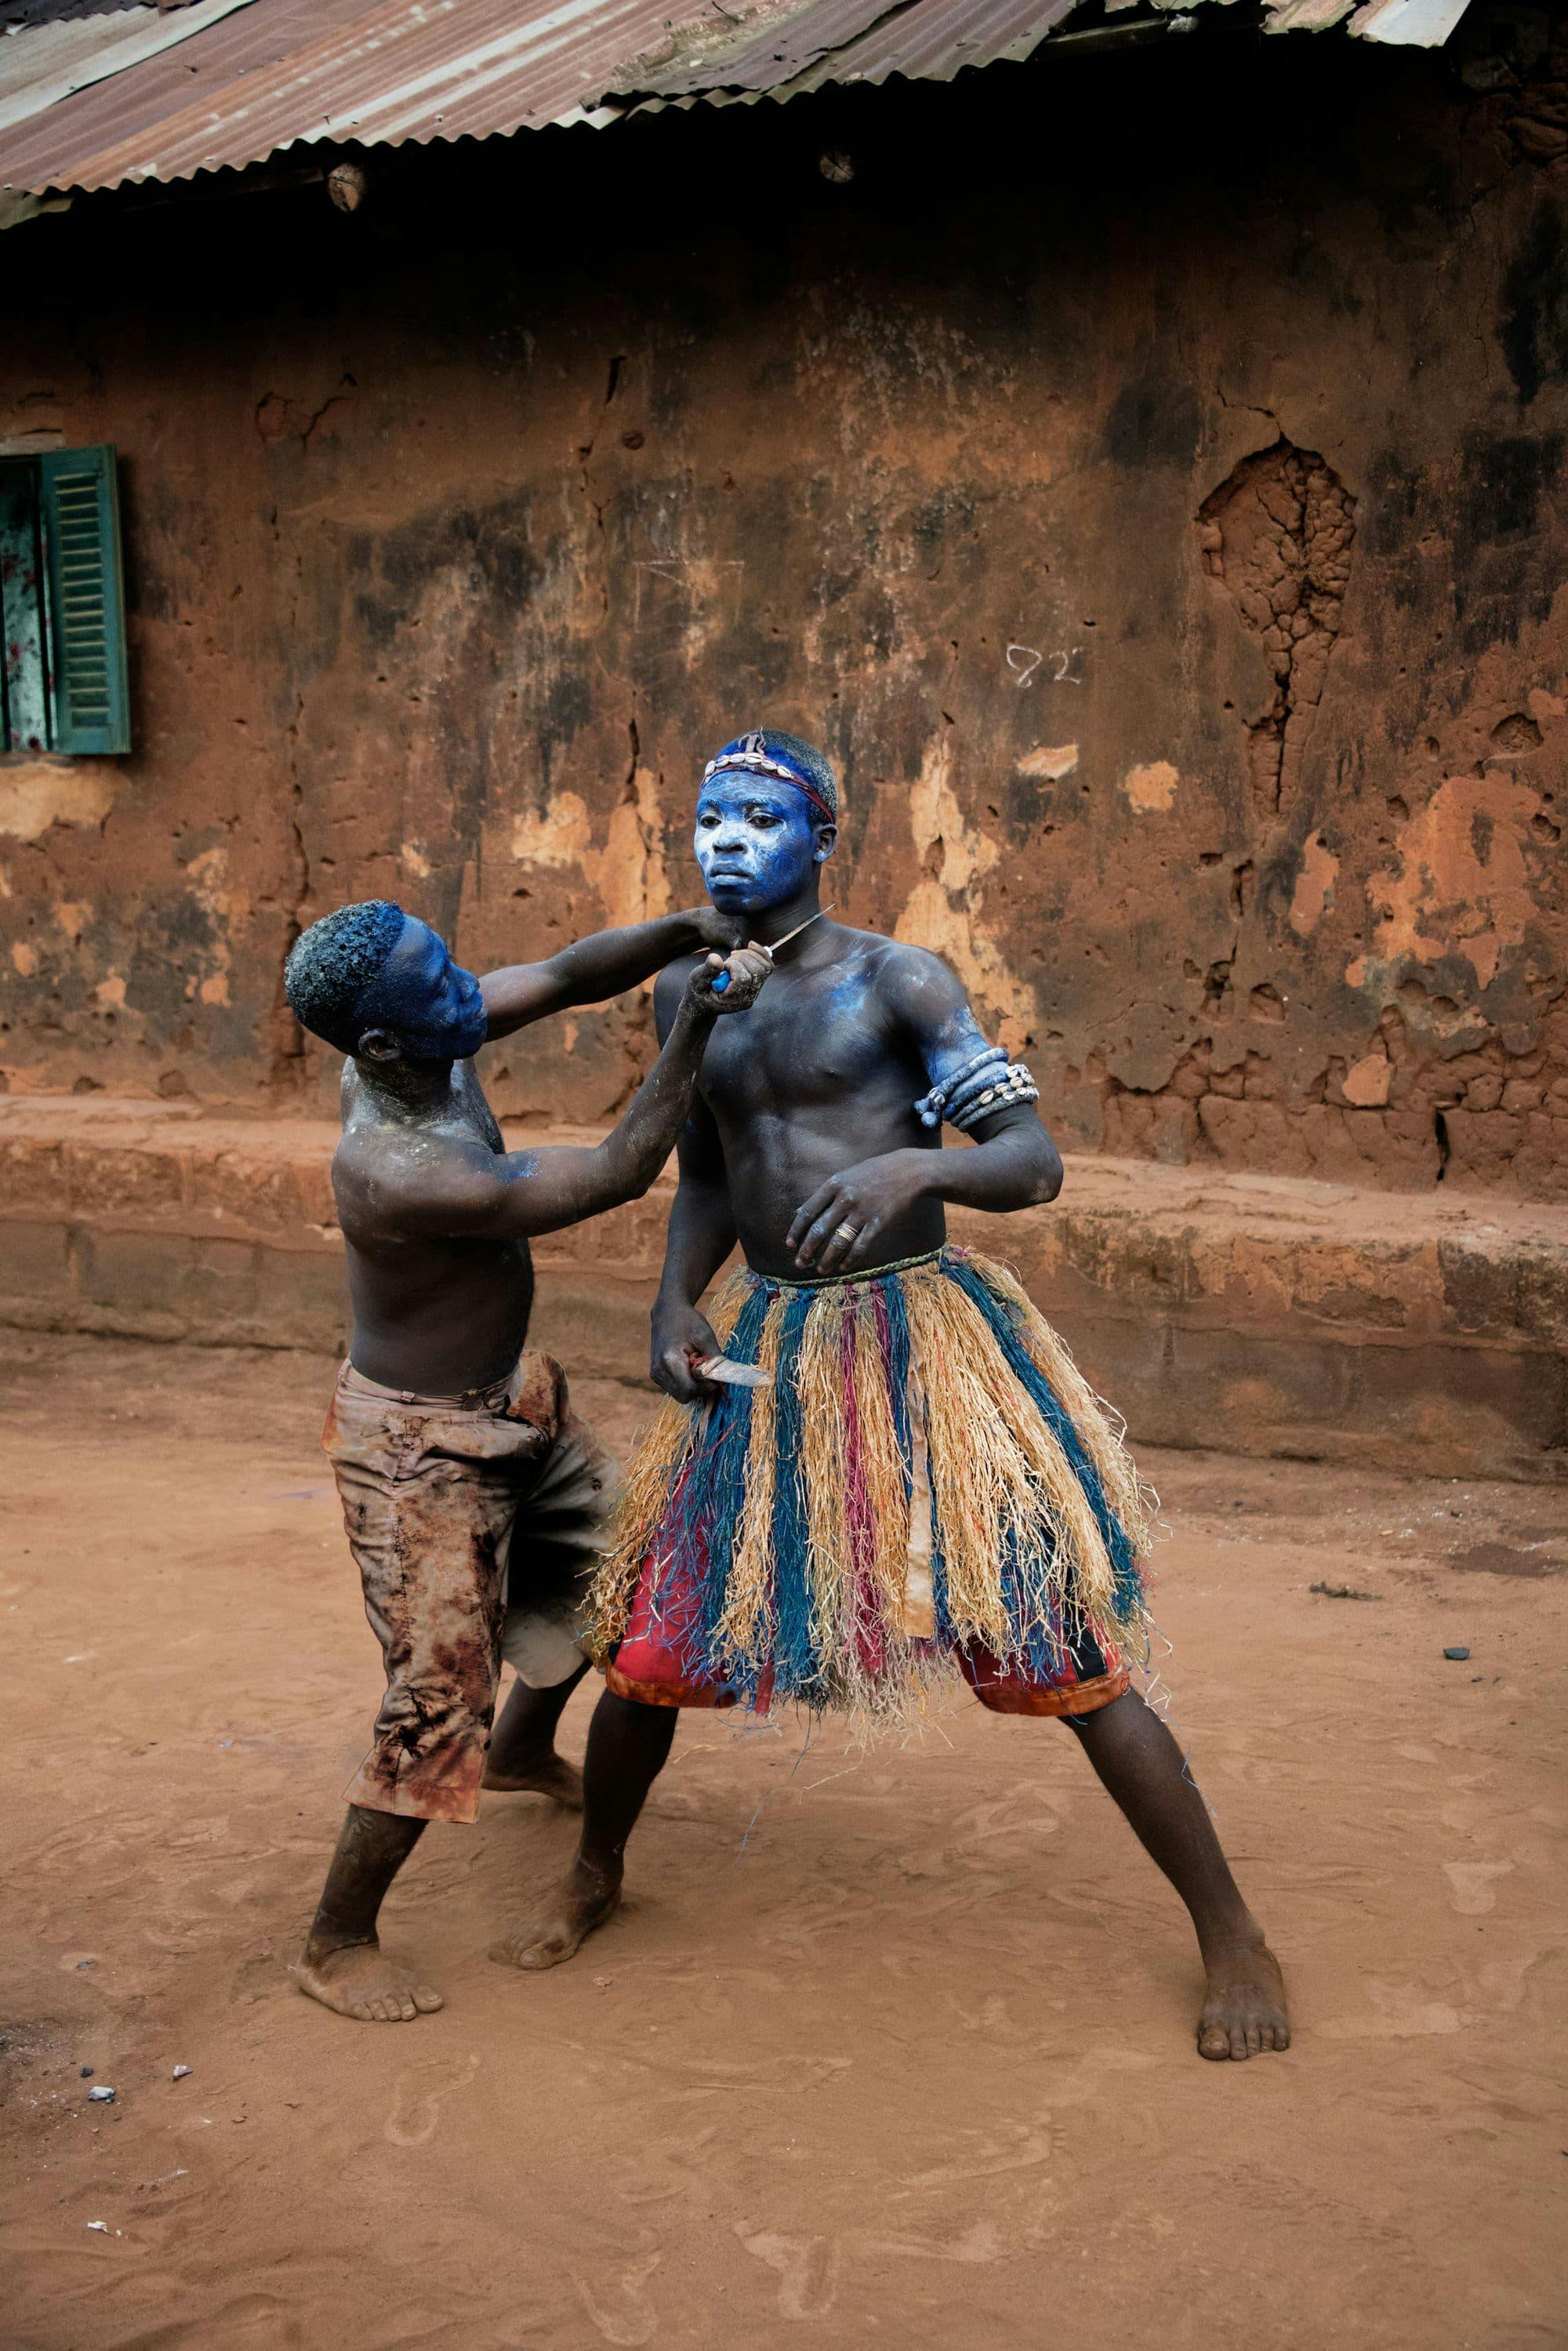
(880, 1471)
(474, 1500)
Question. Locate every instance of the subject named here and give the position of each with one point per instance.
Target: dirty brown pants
(476, 1522)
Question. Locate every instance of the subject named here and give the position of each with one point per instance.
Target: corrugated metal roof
(160, 94)
(850, 41)
(275, 73)
(51, 12)
(42, 65)
(756, 51)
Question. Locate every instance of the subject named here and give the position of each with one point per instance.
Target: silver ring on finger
(846, 1233)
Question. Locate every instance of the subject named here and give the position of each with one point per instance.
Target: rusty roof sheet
(799, 47)
(42, 65)
(276, 73)
(150, 93)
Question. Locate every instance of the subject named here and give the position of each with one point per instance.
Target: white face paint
(757, 841)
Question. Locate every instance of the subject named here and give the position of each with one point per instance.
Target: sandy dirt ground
(893, 2049)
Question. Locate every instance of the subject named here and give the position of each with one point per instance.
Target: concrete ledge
(1263, 1314)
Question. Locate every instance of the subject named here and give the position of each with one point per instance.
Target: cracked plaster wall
(1169, 554)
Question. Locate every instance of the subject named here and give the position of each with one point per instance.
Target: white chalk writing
(1024, 660)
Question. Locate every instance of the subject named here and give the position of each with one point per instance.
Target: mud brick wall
(1146, 475)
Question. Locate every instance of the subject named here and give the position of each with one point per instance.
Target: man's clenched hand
(682, 1339)
(747, 968)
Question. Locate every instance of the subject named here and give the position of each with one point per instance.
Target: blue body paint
(435, 1007)
(959, 1040)
(758, 843)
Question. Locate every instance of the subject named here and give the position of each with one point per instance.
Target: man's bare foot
(552, 1776)
(358, 1980)
(584, 1900)
(1245, 2013)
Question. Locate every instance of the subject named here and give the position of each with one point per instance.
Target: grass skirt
(928, 1474)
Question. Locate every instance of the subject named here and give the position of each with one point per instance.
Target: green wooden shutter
(87, 601)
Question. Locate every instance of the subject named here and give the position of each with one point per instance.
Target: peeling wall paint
(38, 793)
(1150, 787)
(946, 910)
(1461, 884)
(1170, 556)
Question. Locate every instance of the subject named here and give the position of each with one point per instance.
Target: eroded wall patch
(38, 793)
(1277, 534)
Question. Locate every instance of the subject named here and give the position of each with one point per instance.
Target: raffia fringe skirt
(927, 1481)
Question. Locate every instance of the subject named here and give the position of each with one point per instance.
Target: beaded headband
(750, 755)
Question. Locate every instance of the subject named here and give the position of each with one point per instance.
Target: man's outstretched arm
(466, 1193)
(1015, 1163)
(602, 965)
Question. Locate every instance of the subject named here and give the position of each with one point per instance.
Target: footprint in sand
(808, 2269)
(1474, 1893)
(1503, 1985)
(986, 2155)
(668, 2168)
(258, 2318)
(789, 2072)
(1019, 1813)
(992, 2017)
(1403, 2013)
(628, 2319)
(980, 2243)
(417, 2102)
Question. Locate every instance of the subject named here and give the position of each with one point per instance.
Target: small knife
(722, 982)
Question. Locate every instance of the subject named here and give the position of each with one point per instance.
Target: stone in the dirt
(100, 2096)
(1456, 1657)
(180, 2072)
(101, 2226)
(86, 2073)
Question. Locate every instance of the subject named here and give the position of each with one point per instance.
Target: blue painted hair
(332, 964)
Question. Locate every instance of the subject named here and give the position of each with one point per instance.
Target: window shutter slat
(81, 502)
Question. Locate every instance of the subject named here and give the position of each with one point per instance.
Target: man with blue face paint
(474, 1500)
(881, 1471)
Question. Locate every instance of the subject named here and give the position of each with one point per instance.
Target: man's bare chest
(799, 1047)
